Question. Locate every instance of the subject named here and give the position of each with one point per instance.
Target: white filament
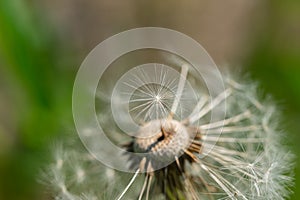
(129, 184)
(184, 71)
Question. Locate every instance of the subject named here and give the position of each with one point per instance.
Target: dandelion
(185, 155)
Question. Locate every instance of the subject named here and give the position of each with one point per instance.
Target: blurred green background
(43, 42)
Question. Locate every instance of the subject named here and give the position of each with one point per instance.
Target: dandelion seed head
(240, 156)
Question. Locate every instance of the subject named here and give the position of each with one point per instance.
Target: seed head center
(165, 138)
(157, 98)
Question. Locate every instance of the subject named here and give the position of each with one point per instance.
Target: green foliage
(276, 63)
(41, 91)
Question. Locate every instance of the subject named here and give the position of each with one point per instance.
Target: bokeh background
(43, 42)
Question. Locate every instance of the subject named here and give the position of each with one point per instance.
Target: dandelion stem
(129, 184)
(183, 75)
(234, 129)
(199, 105)
(225, 122)
(232, 140)
(210, 106)
(144, 187)
(149, 185)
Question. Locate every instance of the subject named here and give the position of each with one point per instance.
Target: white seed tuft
(239, 157)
